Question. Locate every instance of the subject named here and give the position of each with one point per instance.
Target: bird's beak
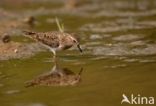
(78, 46)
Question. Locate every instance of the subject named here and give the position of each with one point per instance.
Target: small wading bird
(55, 41)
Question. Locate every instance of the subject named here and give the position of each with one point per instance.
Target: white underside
(50, 48)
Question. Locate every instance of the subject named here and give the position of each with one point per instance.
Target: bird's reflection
(57, 76)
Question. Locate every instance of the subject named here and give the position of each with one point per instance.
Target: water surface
(118, 38)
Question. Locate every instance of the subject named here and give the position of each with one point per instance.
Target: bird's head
(75, 42)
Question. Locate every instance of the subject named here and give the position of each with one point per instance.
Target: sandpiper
(54, 41)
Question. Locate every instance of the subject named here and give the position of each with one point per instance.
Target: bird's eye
(74, 41)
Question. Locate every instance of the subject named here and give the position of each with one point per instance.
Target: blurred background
(119, 42)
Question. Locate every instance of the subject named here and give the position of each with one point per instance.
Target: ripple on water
(138, 43)
(95, 36)
(117, 13)
(131, 60)
(30, 104)
(112, 27)
(140, 60)
(1, 85)
(148, 23)
(129, 37)
(116, 66)
(147, 61)
(98, 58)
(10, 92)
(94, 43)
(122, 49)
(99, 36)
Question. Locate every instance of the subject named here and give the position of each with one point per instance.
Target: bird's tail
(29, 32)
(30, 84)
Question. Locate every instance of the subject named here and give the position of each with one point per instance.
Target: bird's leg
(54, 54)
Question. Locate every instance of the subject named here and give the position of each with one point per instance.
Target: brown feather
(59, 40)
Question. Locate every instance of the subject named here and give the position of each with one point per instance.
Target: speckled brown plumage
(54, 40)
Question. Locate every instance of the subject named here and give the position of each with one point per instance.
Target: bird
(54, 40)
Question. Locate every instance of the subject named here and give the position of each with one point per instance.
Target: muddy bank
(10, 26)
(15, 50)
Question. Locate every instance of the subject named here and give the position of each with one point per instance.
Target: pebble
(5, 38)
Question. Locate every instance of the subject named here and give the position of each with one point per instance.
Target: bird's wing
(48, 38)
(65, 42)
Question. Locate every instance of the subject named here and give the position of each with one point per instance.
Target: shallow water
(119, 43)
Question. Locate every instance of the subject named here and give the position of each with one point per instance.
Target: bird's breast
(66, 47)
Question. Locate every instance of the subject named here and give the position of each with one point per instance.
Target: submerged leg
(53, 50)
(54, 54)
